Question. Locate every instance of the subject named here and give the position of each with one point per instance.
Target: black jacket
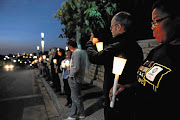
(125, 46)
(158, 79)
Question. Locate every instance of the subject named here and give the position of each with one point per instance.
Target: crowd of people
(66, 70)
(147, 88)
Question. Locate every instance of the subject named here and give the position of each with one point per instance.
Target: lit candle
(55, 61)
(44, 57)
(67, 63)
(63, 65)
(99, 46)
(118, 66)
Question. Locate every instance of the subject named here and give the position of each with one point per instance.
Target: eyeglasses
(156, 22)
(112, 26)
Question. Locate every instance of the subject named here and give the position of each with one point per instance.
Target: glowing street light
(37, 48)
(42, 42)
(118, 66)
(42, 35)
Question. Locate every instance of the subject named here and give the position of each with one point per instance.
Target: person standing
(65, 67)
(60, 58)
(55, 77)
(122, 44)
(158, 76)
(76, 76)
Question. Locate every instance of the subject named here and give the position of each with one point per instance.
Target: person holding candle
(76, 76)
(60, 57)
(55, 78)
(158, 76)
(65, 67)
(123, 44)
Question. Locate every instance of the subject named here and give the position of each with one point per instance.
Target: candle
(118, 66)
(63, 65)
(99, 46)
(67, 63)
(55, 61)
(44, 57)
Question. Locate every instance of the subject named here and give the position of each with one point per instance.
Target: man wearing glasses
(122, 44)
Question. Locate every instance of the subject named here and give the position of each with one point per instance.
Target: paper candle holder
(99, 46)
(118, 66)
(55, 61)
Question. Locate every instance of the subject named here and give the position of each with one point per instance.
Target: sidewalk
(92, 97)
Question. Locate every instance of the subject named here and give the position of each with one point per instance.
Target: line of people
(66, 71)
(147, 89)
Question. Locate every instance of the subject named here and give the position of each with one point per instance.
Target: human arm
(121, 88)
(75, 64)
(104, 56)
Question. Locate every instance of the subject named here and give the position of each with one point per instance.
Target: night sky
(21, 24)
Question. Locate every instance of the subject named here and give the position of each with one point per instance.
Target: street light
(37, 48)
(38, 51)
(42, 42)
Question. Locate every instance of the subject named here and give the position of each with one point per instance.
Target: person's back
(78, 64)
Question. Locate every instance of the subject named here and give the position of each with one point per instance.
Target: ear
(70, 47)
(120, 28)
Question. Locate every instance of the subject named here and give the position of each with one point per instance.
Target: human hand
(93, 39)
(120, 89)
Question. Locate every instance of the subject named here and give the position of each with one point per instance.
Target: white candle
(55, 61)
(67, 63)
(118, 66)
(99, 46)
(63, 65)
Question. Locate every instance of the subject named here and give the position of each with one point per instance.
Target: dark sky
(21, 24)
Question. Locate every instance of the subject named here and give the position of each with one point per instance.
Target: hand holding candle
(118, 66)
(55, 61)
(67, 63)
(63, 65)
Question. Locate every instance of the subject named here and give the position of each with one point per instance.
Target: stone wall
(94, 71)
(147, 45)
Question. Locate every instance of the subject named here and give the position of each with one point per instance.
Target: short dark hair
(72, 43)
(125, 19)
(169, 6)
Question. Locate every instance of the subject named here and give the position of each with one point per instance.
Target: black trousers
(56, 81)
(67, 91)
(124, 109)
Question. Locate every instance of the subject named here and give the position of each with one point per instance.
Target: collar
(121, 37)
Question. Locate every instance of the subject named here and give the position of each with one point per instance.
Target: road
(18, 89)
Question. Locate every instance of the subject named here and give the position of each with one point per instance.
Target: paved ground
(92, 97)
(18, 90)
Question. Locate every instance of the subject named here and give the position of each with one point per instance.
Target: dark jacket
(158, 79)
(125, 46)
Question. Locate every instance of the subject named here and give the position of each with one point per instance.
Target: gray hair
(125, 19)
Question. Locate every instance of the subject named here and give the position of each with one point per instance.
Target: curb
(53, 96)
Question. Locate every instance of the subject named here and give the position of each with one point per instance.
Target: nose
(153, 28)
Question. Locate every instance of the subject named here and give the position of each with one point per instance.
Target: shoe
(70, 118)
(81, 117)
